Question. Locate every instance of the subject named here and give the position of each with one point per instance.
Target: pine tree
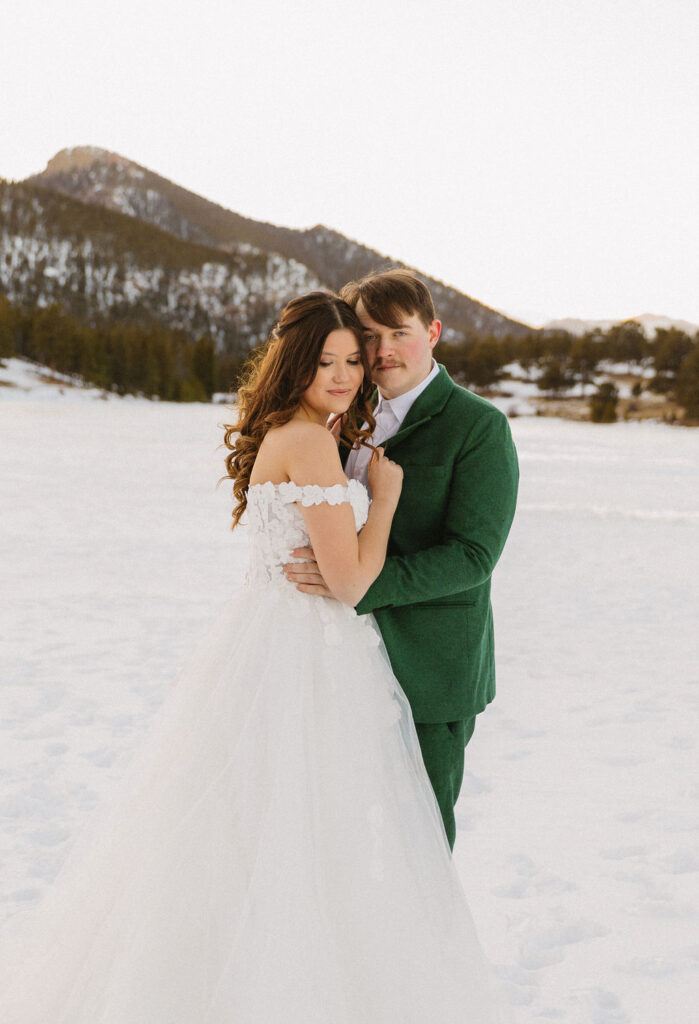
(585, 355)
(555, 377)
(481, 363)
(670, 348)
(603, 404)
(203, 364)
(626, 343)
(7, 336)
(687, 388)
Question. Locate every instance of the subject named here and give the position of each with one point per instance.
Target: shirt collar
(401, 404)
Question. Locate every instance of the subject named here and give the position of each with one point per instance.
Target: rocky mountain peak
(75, 158)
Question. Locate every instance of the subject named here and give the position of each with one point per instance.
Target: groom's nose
(384, 347)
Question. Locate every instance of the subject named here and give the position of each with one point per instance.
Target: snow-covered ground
(578, 835)
(20, 378)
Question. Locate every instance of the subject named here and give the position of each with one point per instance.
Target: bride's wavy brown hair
(274, 380)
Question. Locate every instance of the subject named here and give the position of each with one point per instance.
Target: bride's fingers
(334, 424)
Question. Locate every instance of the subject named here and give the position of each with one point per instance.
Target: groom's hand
(306, 575)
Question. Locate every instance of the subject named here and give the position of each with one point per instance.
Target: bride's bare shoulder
(302, 433)
(299, 451)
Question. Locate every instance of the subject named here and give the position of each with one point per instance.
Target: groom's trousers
(442, 745)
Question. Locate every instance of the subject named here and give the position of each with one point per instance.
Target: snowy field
(578, 823)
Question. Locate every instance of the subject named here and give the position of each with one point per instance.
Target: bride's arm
(348, 562)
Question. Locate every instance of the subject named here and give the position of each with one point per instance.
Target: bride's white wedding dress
(275, 854)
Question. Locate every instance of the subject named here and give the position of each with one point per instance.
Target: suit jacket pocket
(444, 603)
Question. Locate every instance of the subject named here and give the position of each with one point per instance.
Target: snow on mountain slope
(99, 264)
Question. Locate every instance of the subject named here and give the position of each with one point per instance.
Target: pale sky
(540, 155)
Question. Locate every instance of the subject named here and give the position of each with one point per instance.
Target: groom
(431, 601)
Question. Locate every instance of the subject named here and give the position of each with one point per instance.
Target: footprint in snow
(682, 861)
(520, 986)
(473, 786)
(600, 1006)
(49, 836)
(23, 896)
(653, 898)
(626, 760)
(55, 749)
(101, 757)
(543, 942)
(465, 822)
(623, 852)
(682, 741)
(676, 962)
(632, 816)
(531, 880)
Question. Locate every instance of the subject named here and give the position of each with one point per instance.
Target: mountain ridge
(269, 263)
(104, 178)
(649, 322)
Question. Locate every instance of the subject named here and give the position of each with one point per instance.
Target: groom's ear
(435, 329)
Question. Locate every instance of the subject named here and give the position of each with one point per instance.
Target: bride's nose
(341, 374)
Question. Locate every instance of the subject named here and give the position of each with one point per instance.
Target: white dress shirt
(389, 415)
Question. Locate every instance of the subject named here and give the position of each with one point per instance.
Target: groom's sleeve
(479, 512)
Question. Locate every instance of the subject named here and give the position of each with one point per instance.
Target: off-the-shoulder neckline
(288, 492)
(292, 483)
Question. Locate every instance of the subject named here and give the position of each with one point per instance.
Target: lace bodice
(276, 524)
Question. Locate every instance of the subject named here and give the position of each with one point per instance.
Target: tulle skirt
(273, 855)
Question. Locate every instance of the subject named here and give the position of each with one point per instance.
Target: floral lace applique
(277, 526)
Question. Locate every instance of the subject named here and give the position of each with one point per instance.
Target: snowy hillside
(107, 180)
(20, 379)
(104, 265)
(578, 838)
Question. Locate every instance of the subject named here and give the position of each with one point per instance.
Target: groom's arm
(479, 513)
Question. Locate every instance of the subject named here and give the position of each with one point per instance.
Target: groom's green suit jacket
(432, 598)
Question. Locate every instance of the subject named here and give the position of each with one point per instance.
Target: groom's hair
(390, 295)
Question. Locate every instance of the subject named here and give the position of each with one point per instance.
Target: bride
(275, 853)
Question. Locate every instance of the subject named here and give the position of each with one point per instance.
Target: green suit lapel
(428, 404)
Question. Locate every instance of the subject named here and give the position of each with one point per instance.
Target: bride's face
(338, 377)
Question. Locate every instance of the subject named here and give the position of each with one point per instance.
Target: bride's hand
(335, 424)
(385, 478)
